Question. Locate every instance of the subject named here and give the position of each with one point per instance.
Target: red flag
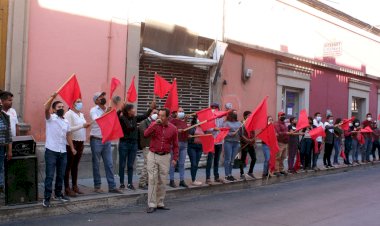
(361, 138)
(110, 126)
(161, 86)
(314, 134)
(172, 101)
(343, 155)
(219, 114)
(132, 94)
(206, 115)
(70, 91)
(207, 143)
(221, 135)
(114, 84)
(258, 118)
(268, 135)
(366, 130)
(303, 121)
(346, 123)
(297, 165)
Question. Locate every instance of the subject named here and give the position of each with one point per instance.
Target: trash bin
(21, 180)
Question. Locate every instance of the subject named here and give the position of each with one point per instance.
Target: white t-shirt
(76, 122)
(318, 124)
(13, 119)
(56, 132)
(95, 113)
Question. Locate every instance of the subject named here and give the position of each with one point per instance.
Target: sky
(365, 10)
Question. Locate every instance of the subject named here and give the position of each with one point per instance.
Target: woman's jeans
(230, 151)
(195, 154)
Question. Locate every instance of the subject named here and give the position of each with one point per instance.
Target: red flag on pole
(172, 101)
(110, 126)
(221, 135)
(70, 91)
(343, 155)
(303, 121)
(317, 132)
(268, 135)
(132, 94)
(219, 114)
(258, 118)
(366, 130)
(297, 165)
(346, 123)
(207, 143)
(161, 86)
(360, 138)
(114, 84)
(206, 115)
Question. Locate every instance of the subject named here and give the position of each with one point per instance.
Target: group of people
(167, 138)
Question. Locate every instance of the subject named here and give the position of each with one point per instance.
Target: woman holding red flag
(248, 143)
(194, 150)
(293, 143)
(307, 145)
(356, 146)
(266, 152)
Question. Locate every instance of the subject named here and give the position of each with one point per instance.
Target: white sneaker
(197, 183)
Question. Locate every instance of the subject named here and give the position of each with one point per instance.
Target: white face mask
(331, 121)
(350, 124)
(154, 117)
(181, 115)
(198, 121)
(369, 118)
(319, 118)
(356, 124)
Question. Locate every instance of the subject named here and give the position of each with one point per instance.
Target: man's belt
(161, 153)
(95, 138)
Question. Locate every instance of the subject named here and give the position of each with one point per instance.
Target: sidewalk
(91, 201)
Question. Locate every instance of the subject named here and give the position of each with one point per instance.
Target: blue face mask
(78, 106)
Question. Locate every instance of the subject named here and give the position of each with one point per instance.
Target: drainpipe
(242, 54)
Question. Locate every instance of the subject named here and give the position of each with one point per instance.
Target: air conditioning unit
(248, 73)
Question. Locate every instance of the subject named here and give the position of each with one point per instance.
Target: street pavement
(349, 198)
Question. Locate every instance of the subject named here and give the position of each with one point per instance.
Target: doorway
(291, 102)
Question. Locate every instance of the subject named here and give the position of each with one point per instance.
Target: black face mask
(103, 101)
(234, 116)
(60, 112)
(282, 118)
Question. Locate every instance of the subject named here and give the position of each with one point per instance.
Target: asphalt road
(350, 198)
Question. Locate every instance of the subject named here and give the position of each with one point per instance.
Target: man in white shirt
(57, 136)
(7, 100)
(100, 150)
(317, 122)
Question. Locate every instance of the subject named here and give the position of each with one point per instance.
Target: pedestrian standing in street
(180, 121)
(214, 158)
(144, 144)
(5, 143)
(348, 143)
(317, 122)
(293, 144)
(266, 152)
(78, 127)
(58, 134)
(164, 140)
(128, 144)
(195, 150)
(329, 141)
(231, 143)
(367, 148)
(338, 132)
(99, 149)
(7, 100)
(307, 145)
(247, 142)
(356, 146)
(282, 139)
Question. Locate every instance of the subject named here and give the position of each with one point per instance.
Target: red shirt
(281, 131)
(163, 138)
(180, 124)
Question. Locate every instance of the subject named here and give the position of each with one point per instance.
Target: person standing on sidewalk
(375, 143)
(307, 146)
(180, 122)
(58, 134)
(294, 143)
(100, 150)
(128, 144)
(348, 143)
(78, 127)
(266, 152)
(329, 141)
(5, 143)
(356, 146)
(231, 143)
(317, 122)
(282, 139)
(144, 144)
(367, 149)
(195, 150)
(338, 132)
(164, 140)
(248, 143)
(7, 100)
(214, 158)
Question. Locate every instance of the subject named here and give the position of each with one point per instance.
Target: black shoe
(172, 184)
(284, 173)
(251, 175)
(183, 184)
(233, 178)
(143, 187)
(277, 174)
(116, 191)
(122, 186)
(62, 198)
(242, 177)
(162, 208)
(131, 187)
(46, 203)
(150, 210)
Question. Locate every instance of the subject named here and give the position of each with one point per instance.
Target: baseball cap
(281, 113)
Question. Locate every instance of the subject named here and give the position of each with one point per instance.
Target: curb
(106, 201)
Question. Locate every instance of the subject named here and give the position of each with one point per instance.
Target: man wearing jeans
(283, 139)
(367, 149)
(100, 150)
(180, 122)
(57, 136)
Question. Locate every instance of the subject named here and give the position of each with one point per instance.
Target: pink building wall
(61, 44)
(373, 100)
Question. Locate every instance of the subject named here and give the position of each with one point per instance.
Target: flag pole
(202, 135)
(59, 89)
(198, 124)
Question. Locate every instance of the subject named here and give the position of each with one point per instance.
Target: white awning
(180, 59)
